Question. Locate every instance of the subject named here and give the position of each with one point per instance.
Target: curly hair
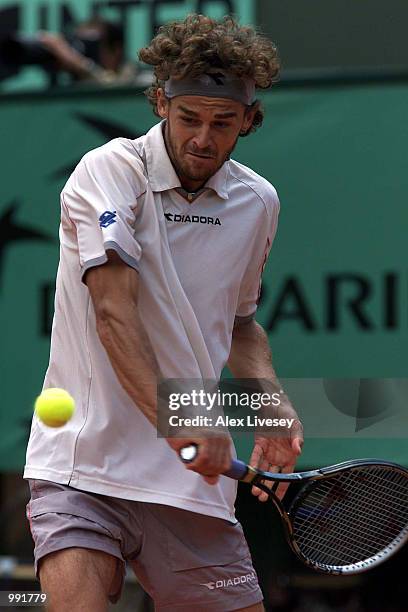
(199, 43)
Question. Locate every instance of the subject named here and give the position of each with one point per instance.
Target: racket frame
(255, 478)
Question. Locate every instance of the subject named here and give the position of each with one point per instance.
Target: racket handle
(237, 470)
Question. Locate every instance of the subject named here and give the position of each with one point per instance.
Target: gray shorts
(182, 559)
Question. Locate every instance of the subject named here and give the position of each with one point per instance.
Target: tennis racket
(345, 519)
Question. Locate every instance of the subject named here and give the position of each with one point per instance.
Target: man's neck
(190, 196)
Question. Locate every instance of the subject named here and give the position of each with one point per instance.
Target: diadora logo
(107, 218)
(220, 584)
(192, 219)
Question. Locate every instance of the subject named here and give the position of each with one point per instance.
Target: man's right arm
(114, 290)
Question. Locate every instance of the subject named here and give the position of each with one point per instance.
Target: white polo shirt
(199, 267)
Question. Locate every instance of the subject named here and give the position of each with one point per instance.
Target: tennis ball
(54, 407)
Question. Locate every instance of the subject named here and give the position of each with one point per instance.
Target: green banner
(334, 292)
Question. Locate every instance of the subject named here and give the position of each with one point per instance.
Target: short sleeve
(100, 199)
(250, 288)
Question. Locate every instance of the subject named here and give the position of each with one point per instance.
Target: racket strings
(316, 497)
(378, 513)
(352, 516)
(343, 552)
(364, 538)
(344, 538)
(321, 547)
(347, 539)
(341, 556)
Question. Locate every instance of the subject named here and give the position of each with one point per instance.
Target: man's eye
(187, 119)
(221, 124)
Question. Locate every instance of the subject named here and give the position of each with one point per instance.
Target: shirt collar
(162, 175)
(219, 181)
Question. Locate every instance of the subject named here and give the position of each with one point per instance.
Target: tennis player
(163, 243)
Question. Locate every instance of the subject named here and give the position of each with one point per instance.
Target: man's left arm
(250, 357)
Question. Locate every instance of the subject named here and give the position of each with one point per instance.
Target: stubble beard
(181, 169)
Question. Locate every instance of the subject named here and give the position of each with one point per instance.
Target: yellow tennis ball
(54, 407)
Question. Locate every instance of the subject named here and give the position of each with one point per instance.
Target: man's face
(201, 133)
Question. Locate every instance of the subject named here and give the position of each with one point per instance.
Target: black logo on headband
(217, 77)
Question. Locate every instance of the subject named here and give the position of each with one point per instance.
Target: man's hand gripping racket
(345, 519)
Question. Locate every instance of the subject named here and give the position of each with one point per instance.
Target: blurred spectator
(95, 53)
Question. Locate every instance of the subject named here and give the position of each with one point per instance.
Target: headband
(214, 84)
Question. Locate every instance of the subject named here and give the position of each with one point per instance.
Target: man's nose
(201, 138)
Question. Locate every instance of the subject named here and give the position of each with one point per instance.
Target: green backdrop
(334, 299)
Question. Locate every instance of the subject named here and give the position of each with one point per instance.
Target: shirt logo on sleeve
(107, 218)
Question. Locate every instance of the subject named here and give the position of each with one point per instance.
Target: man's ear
(249, 117)
(162, 104)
